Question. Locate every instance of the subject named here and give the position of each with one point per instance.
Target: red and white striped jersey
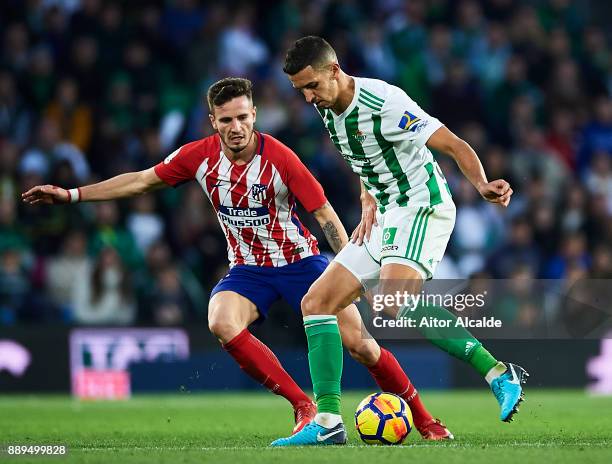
(255, 202)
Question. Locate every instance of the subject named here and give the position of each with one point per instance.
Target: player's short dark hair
(308, 51)
(227, 89)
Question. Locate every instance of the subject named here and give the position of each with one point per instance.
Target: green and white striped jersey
(382, 136)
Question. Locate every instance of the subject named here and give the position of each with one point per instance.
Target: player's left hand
(497, 191)
(368, 219)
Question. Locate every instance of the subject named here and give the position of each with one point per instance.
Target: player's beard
(239, 148)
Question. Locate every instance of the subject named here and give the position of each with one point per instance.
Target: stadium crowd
(91, 88)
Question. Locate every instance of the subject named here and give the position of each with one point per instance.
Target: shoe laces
(301, 411)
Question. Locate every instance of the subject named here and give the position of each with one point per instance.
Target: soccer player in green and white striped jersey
(407, 219)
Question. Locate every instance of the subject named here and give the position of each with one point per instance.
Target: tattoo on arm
(333, 236)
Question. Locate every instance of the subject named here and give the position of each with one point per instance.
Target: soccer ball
(383, 419)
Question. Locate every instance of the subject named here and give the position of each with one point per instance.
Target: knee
(365, 352)
(314, 304)
(225, 330)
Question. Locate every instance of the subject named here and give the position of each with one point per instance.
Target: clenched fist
(497, 191)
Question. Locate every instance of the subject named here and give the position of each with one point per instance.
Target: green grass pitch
(553, 426)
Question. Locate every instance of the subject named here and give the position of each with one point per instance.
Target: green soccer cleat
(508, 391)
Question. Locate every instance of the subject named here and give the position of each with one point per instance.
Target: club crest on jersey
(409, 122)
(359, 136)
(258, 192)
(388, 240)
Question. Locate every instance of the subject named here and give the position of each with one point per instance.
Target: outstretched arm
(497, 191)
(124, 185)
(332, 227)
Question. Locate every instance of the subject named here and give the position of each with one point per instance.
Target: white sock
(328, 420)
(495, 372)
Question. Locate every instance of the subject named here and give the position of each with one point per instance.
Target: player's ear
(254, 113)
(213, 122)
(335, 70)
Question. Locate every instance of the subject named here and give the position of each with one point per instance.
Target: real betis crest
(359, 136)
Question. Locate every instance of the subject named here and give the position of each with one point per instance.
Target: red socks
(258, 361)
(391, 378)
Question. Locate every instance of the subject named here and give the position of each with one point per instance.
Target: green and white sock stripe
(312, 321)
(417, 233)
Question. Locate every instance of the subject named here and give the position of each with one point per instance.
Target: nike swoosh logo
(330, 434)
(515, 379)
(218, 184)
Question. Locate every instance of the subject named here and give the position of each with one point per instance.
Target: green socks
(455, 340)
(325, 360)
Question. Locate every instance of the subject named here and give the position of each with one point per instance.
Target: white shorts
(412, 236)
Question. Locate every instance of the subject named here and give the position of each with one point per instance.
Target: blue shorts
(264, 285)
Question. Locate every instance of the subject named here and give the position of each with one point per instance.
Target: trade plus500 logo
(244, 217)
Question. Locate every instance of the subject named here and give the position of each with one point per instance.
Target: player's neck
(245, 155)
(346, 92)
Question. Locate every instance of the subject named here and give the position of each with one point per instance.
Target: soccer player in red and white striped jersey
(253, 182)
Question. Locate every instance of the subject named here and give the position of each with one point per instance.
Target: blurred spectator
(271, 111)
(9, 154)
(145, 225)
(15, 47)
(475, 231)
(571, 258)
(599, 178)
(104, 296)
(520, 305)
(181, 20)
(377, 55)
(240, 48)
(65, 269)
(50, 150)
(73, 118)
(39, 79)
(597, 135)
(573, 214)
(520, 252)
(84, 66)
(439, 54)
(488, 57)
(470, 26)
(514, 84)
(168, 300)
(561, 137)
(109, 232)
(532, 157)
(14, 286)
(454, 95)
(596, 60)
(15, 119)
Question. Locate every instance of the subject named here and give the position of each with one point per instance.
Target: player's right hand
(368, 219)
(46, 194)
(497, 191)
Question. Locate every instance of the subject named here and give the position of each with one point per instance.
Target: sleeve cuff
(427, 131)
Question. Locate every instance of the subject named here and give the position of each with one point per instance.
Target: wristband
(75, 195)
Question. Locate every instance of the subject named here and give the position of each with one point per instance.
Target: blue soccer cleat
(314, 434)
(508, 391)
